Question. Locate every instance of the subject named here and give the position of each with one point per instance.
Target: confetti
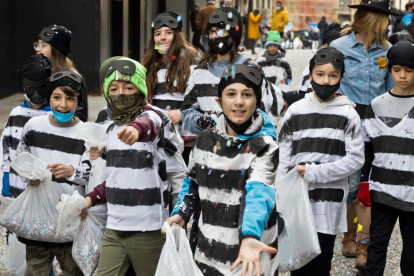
(179, 18)
(175, 83)
(230, 15)
(237, 28)
(174, 57)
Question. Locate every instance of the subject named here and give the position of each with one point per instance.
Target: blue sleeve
(188, 199)
(5, 191)
(256, 206)
(189, 117)
(389, 82)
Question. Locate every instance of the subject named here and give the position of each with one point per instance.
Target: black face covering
(239, 129)
(225, 42)
(325, 91)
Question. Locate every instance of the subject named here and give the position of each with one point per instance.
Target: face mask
(162, 48)
(325, 91)
(278, 8)
(239, 129)
(221, 45)
(35, 98)
(126, 107)
(63, 117)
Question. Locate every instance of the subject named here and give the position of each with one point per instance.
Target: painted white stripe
(319, 133)
(229, 236)
(394, 161)
(126, 178)
(403, 193)
(221, 196)
(313, 157)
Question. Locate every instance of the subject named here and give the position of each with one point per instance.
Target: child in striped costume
(230, 175)
(321, 134)
(387, 180)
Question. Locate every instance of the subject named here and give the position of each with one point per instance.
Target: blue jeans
(353, 181)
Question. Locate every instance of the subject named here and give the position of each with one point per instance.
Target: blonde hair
(365, 23)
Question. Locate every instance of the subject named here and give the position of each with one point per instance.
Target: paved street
(298, 60)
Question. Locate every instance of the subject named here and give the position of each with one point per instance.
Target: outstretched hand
(249, 255)
(129, 135)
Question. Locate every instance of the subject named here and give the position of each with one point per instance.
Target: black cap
(401, 53)
(36, 70)
(65, 78)
(57, 36)
(226, 17)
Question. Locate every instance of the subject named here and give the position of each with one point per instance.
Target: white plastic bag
(5, 203)
(88, 239)
(298, 243)
(14, 255)
(70, 208)
(94, 135)
(33, 214)
(176, 257)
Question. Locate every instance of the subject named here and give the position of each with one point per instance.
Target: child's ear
(310, 76)
(219, 103)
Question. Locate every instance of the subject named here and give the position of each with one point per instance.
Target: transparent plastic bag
(298, 243)
(70, 208)
(33, 214)
(14, 255)
(94, 135)
(5, 203)
(176, 257)
(88, 239)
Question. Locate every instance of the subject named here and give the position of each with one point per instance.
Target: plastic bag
(176, 257)
(33, 214)
(298, 243)
(88, 239)
(14, 255)
(5, 203)
(94, 135)
(70, 208)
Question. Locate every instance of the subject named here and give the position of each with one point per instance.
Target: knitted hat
(400, 36)
(36, 70)
(401, 53)
(167, 19)
(227, 18)
(104, 68)
(57, 36)
(273, 38)
(126, 69)
(65, 78)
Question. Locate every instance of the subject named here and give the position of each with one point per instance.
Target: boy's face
(122, 87)
(163, 35)
(272, 49)
(403, 76)
(325, 74)
(63, 103)
(238, 102)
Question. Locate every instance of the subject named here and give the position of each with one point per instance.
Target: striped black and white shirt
(276, 69)
(11, 137)
(327, 138)
(46, 139)
(389, 139)
(136, 182)
(232, 178)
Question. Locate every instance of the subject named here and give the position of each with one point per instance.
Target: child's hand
(283, 81)
(301, 170)
(249, 255)
(175, 219)
(175, 116)
(129, 135)
(60, 170)
(95, 153)
(84, 214)
(34, 182)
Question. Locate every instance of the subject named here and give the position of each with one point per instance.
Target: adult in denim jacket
(365, 47)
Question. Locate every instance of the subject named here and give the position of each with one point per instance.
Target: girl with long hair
(365, 47)
(54, 43)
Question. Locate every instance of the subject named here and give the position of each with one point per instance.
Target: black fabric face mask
(225, 42)
(239, 129)
(325, 91)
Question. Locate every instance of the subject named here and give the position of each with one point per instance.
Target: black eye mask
(249, 72)
(223, 17)
(126, 67)
(63, 74)
(47, 34)
(324, 57)
(168, 21)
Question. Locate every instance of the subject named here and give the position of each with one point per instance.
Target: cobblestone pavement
(341, 266)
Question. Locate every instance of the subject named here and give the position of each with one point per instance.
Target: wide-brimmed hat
(377, 6)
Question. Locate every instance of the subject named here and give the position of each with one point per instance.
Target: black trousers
(321, 265)
(383, 219)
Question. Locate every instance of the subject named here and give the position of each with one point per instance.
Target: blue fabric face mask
(63, 117)
(278, 8)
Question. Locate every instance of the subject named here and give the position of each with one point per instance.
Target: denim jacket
(364, 80)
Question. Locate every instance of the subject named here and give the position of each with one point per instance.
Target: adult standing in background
(202, 18)
(253, 33)
(194, 10)
(322, 25)
(280, 18)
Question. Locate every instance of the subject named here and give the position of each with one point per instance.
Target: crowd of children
(193, 138)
